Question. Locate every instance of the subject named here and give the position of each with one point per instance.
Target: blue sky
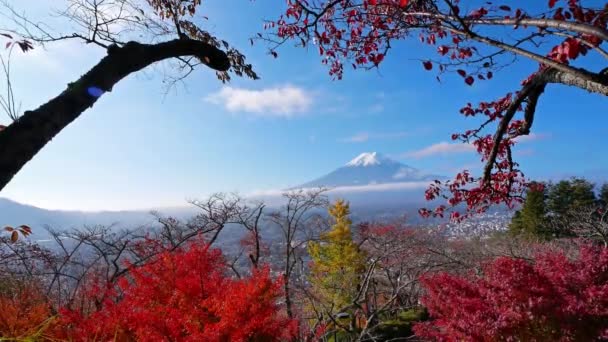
(140, 148)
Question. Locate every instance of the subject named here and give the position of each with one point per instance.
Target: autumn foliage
(337, 262)
(24, 312)
(554, 298)
(184, 296)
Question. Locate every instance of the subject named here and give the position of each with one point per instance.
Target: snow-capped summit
(371, 168)
(369, 159)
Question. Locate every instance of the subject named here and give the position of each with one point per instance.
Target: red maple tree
(554, 298)
(361, 33)
(183, 296)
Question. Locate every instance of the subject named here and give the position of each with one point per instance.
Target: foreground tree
(183, 296)
(296, 221)
(362, 32)
(554, 298)
(337, 265)
(166, 29)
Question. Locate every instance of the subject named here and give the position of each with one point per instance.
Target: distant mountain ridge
(13, 214)
(371, 168)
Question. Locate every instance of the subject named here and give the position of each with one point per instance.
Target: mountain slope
(14, 214)
(371, 168)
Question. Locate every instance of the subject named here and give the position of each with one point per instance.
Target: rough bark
(24, 138)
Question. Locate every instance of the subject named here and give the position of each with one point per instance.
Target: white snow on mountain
(369, 159)
(371, 168)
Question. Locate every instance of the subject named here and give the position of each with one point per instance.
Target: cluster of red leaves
(555, 298)
(184, 296)
(170, 9)
(361, 31)
(507, 183)
(355, 30)
(23, 311)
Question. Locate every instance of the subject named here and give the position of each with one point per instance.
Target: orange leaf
(14, 236)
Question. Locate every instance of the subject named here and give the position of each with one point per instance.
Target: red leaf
(403, 3)
(461, 72)
(428, 65)
(25, 229)
(469, 80)
(552, 3)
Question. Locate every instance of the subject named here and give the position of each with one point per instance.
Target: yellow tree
(337, 263)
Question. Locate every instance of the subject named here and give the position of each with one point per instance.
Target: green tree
(337, 262)
(567, 195)
(583, 195)
(530, 221)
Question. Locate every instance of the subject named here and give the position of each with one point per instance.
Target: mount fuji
(371, 168)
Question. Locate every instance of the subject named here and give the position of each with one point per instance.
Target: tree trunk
(288, 305)
(287, 276)
(20, 141)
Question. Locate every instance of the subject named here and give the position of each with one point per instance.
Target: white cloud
(441, 148)
(531, 137)
(285, 101)
(446, 148)
(353, 189)
(382, 187)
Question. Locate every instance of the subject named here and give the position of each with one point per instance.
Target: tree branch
(531, 92)
(24, 138)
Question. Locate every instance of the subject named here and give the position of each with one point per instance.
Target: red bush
(552, 299)
(23, 311)
(185, 296)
